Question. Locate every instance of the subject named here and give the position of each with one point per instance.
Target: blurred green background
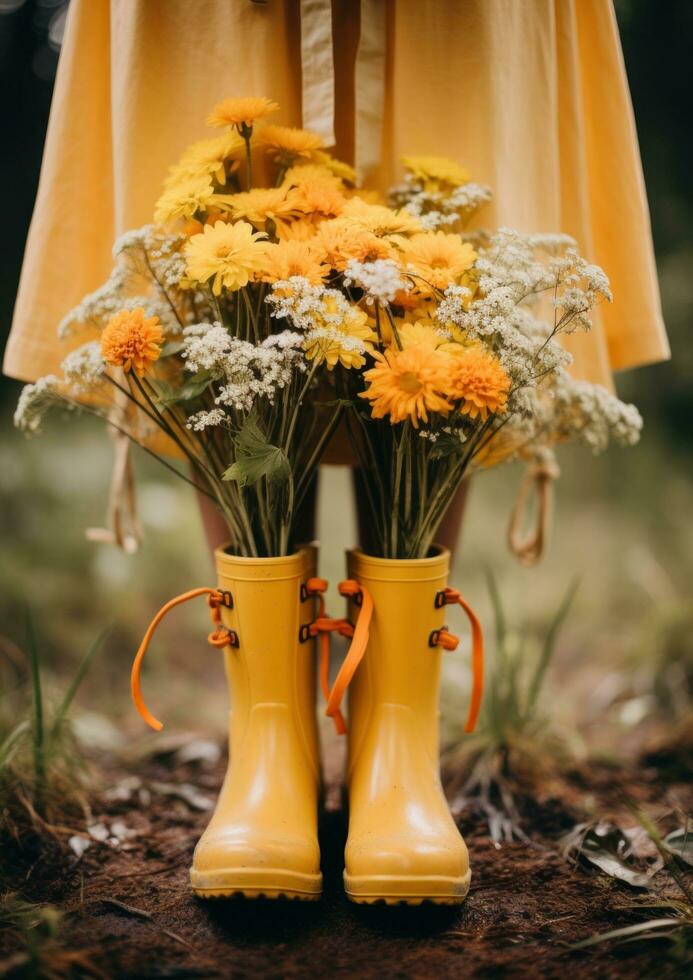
(622, 520)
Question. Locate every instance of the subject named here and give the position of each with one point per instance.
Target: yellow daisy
(288, 142)
(478, 379)
(438, 258)
(132, 341)
(407, 384)
(333, 347)
(433, 171)
(227, 254)
(378, 219)
(209, 157)
(183, 199)
(259, 205)
(241, 112)
(307, 173)
(336, 167)
(293, 258)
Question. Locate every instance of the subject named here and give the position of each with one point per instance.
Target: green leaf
(257, 457)
(446, 444)
(192, 388)
(172, 347)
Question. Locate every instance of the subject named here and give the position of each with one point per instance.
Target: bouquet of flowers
(248, 320)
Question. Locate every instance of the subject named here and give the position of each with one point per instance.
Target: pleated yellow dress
(531, 96)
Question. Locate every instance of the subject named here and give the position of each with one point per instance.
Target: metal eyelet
(304, 633)
(434, 638)
(226, 598)
(440, 599)
(233, 638)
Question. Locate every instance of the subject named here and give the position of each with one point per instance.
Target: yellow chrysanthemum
(343, 240)
(434, 171)
(226, 254)
(334, 346)
(422, 333)
(293, 258)
(241, 112)
(300, 229)
(209, 158)
(259, 205)
(478, 379)
(318, 198)
(288, 142)
(407, 384)
(459, 341)
(132, 341)
(308, 173)
(183, 199)
(336, 167)
(378, 219)
(437, 258)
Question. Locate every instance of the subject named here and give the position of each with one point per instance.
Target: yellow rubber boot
(262, 839)
(403, 845)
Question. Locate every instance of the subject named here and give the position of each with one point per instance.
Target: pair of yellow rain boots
(403, 845)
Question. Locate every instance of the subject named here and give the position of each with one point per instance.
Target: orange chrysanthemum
(407, 384)
(132, 341)
(318, 198)
(293, 258)
(478, 379)
(241, 112)
(342, 241)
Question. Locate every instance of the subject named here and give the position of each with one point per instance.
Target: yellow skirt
(532, 97)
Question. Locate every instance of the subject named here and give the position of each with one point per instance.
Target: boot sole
(256, 883)
(404, 890)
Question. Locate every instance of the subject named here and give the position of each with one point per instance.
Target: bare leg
(217, 532)
(448, 532)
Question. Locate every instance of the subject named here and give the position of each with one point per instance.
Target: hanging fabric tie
(529, 548)
(318, 78)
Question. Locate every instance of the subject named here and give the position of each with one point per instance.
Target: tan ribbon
(317, 78)
(122, 526)
(317, 68)
(529, 549)
(369, 82)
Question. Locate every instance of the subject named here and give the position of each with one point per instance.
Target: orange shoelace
(219, 637)
(449, 641)
(322, 626)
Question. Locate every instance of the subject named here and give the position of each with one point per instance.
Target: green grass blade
(10, 742)
(38, 729)
(549, 645)
(498, 612)
(77, 681)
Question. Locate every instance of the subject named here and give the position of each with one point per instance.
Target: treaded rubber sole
(405, 890)
(269, 883)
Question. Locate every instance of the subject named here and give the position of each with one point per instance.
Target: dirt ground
(128, 910)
